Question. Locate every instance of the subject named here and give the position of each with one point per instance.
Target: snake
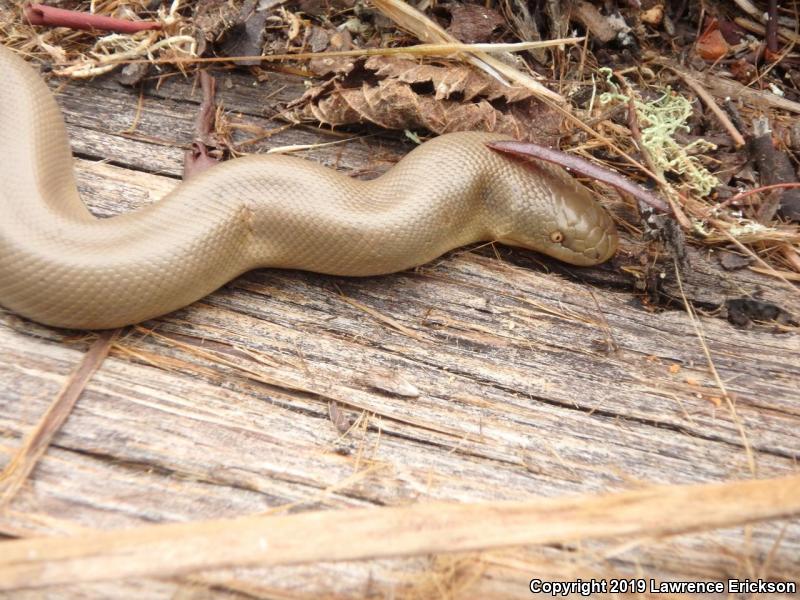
(64, 267)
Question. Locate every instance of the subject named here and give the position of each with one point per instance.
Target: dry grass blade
(356, 534)
(725, 87)
(443, 49)
(35, 445)
(751, 461)
(410, 19)
(393, 323)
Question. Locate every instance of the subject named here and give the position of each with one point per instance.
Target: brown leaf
(743, 71)
(733, 261)
(339, 40)
(440, 98)
(316, 38)
(447, 80)
(394, 105)
(711, 45)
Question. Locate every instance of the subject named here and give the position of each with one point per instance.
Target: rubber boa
(61, 266)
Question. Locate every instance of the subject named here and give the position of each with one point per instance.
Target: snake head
(543, 208)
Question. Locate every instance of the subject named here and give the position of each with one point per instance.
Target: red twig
(197, 159)
(526, 150)
(758, 190)
(49, 16)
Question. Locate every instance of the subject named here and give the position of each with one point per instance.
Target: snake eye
(556, 237)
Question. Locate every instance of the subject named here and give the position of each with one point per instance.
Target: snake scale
(61, 266)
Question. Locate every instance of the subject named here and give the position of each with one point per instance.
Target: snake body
(61, 266)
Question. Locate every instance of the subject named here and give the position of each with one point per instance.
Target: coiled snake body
(61, 266)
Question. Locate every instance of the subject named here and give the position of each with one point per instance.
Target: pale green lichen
(659, 120)
(749, 227)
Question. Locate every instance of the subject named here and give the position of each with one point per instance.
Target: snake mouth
(595, 249)
(601, 245)
(597, 246)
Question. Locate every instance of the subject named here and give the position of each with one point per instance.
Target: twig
(783, 32)
(787, 275)
(49, 16)
(527, 150)
(197, 159)
(393, 323)
(167, 550)
(409, 18)
(680, 216)
(772, 28)
(37, 441)
(445, 49)
(633, 123)
(789, 252)
(758, 190)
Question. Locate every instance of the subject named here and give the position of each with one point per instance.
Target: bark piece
(732, 261)
(473, 23)
(596, 23)
(775, 167)
(246, 36)
(744, 311)
(132, 74)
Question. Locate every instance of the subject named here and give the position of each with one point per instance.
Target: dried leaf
(316, 38)
(323, 8)
(446, 80)
(394, 105)
(341, 65)
(439, 98)
(711, 45)
(733, 261)
(653, 16)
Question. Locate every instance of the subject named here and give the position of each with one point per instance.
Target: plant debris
(50, 16)
(399, 93)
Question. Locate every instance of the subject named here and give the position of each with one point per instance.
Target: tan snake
(61, 266)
